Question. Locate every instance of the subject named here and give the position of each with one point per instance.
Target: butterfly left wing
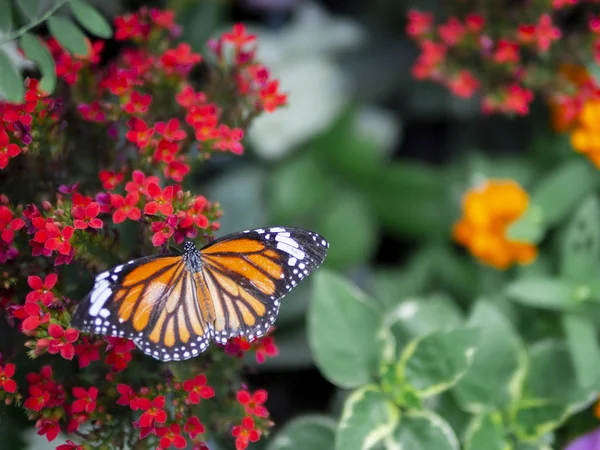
(248, 273)
(151, 301)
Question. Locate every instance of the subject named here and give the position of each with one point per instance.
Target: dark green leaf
(500, 357)
(199, 20)
(11, 83)
(90, 19)
(308, 432)
(423, 430)
(37, 52)
(68, 35)
(342, 330)
(581, 245)
(367, 418)
(350, 228)
(486, 431)
(534, 419)
(563, 190)
(6, 16)
(543, 292)
(31, 9)
(551, 376)
(582, 340)
(437, 361)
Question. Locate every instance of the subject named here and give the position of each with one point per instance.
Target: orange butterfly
(172, 306)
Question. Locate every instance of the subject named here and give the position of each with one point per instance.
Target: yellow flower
(487, 212)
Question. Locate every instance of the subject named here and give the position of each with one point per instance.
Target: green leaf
(90, 19)
(68, 35)
(309, 432)
(342, 331)
(543, 292)
(422, 430)
(367, 419)
(31, 9)
(6, 16)
(529, 227)
(486, 431)
(551, 376)
(37, 52)
(435, 362)
(350, 228)
(564, 189)
(533, 419)
(11, 83)
(297, 189)
(410, 199)
(493, 381)
(581, 245)
(582, 340)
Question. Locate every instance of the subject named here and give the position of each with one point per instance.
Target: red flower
(245, 433)
(197, 389)
(8, 225)
(37, 398)
(180, 59)
(506, 52)
(138, 103)
(176, 170)
(48, 427)
(86, 400)
(171, 436)
(238, 36)
(127, 397)
(253, 403)
(7, 150)
(162, 200)
(60, 341)
(110, 180)
(170, 130)
(543, 34)
(153, 411)
(55, 239)
(128, 26)
(126, 208)
(70, 445)
(85, 216)
(452, 31)
(93, 112)
(419, 23)
(119, 353)
(163, 230)
(41, 289)
(193, 427)
(87, 351)
(140, 182)
(266, 347)
(33, 315)
(187, 97)
(271, 97)
(5, 378)
(229, 139)
(166, 151)
(463, 84)
(139, 133)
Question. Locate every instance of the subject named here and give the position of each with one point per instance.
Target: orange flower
(586, 137)
(487, 212)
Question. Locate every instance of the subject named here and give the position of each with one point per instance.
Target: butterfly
(173, 306)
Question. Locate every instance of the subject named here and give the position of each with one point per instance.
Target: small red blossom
(180, 59)
(193, 427)
(87, 351)
(245, 433)
(127, 397)
(125, 208)
(6, 374)
(37, 398)
(61, 340)
(153, 411)
(171, 436)
(7, 149)
(42, 290)
(48, 427)
(8, 224)
(170, 130)
(229, 139)
(253, 403)
(129, 26)
(176, 170)
(138, 103)
(166, 151)
(452, 31)
(238, 36)
(69, 445)
(161, 200)
(110, 180)
(33, 317)
(54, 238)
(506, 52)
(139, 132)
(86, 216)
(119, 353)
(140, 182)
(419, 23)
(271, 97)
(93, 112)
(464, 84)
(266, 347)
(86, 400)
(198, 389)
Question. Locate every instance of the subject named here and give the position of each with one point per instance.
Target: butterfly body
(173, 306)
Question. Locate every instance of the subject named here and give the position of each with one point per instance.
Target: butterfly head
(191, 256)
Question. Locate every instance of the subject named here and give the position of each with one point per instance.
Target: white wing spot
(297, 253)
(104, 313)
(286, 240)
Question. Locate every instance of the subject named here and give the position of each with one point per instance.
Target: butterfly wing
(152, 301)
(248, 273)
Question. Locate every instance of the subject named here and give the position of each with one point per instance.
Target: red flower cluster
(264, 347)
(505, 57)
